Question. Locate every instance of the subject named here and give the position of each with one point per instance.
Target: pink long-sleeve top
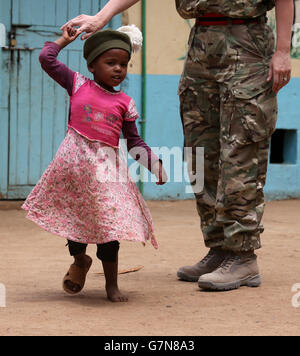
(95, 113)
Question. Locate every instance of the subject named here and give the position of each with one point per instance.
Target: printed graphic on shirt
(88, 110)
(102, 130)
(98, 116)
(111, 119)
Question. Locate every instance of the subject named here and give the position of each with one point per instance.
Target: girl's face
(110, 69)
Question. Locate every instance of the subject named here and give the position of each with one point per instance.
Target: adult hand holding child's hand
(69, 35)
(85, 23)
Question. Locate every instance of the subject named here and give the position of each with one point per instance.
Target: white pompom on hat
(135, 35)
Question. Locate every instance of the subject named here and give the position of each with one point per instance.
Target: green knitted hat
(103, 41)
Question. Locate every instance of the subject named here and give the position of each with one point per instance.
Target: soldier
(228, 106)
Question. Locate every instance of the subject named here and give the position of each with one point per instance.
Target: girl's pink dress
(86, 194)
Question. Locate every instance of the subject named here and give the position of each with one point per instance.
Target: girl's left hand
(160, 173)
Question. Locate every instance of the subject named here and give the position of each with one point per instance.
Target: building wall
(4, 115)
(283, 180)
(166, 42)
(33, 108)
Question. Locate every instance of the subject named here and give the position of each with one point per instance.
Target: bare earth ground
(33, 263)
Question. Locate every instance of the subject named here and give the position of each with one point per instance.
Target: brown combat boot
(209, 263)
(235, 271)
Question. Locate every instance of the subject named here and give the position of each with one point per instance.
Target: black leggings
(105, 252)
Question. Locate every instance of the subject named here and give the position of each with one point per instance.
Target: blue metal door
(37, 106)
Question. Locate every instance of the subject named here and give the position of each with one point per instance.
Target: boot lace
(228, 262)
(208, 257)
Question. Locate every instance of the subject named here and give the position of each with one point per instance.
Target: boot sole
(185, 277)
(253, 282)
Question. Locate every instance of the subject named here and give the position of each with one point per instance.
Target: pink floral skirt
(86, 195)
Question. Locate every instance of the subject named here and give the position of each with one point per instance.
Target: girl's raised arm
(54, 68)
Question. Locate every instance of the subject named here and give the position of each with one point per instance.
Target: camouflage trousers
(228, 108)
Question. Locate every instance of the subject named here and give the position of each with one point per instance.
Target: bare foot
(114, 295)
(111, 277)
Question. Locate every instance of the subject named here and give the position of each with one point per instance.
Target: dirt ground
(33, 263)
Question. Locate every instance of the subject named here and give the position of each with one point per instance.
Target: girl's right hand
(69, 35)
(87, 24)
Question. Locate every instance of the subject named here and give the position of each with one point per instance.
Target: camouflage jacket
(232, 8)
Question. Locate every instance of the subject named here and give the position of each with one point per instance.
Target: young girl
(78, 196)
